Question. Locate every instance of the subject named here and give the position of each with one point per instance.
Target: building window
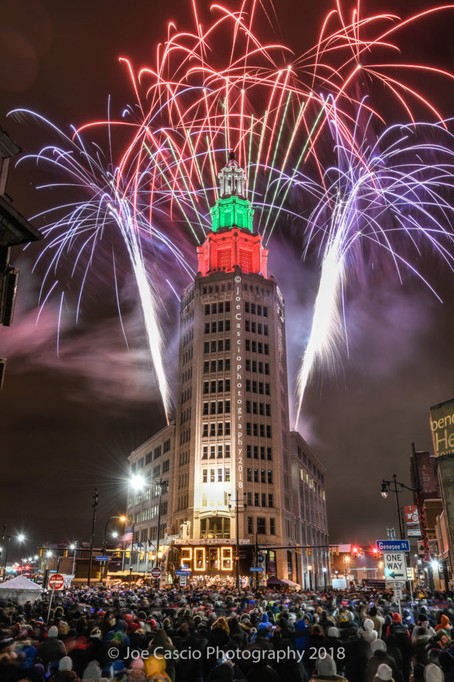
(166, 446)
(250, 525)
(261, 525)
(205, 452)
(227, 450)
(262, 476)
(272, 526)
(204, 476)
(270, 476)
(270, 500)
(212, 475)
(212, 451)
(227, 474)
(205, 431)
(219, 475)
(256, 500)
(249, 475)
(256, 475)
(219, 451)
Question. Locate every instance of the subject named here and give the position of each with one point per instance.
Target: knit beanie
(326, 666)
(384, 672)
(53, 631)
(65, 664)
(378, 645)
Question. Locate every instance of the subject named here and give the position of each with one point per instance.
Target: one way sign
(395, 566)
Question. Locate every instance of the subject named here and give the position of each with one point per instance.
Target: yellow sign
(442, 428)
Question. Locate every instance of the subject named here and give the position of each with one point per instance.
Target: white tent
(20, 590)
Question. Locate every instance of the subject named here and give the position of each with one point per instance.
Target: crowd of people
(140, 634)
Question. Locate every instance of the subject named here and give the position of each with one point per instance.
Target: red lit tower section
(232, 248)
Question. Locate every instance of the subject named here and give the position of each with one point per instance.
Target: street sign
(410, 573)
(156, 572)
(395, 566)
(393, 545)
(183, 572)
(398, 594)
(56, 581)
(183, 581)
(102, 558)
(256, 569)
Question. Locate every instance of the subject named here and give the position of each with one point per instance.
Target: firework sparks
(221, 87)
(391, 198)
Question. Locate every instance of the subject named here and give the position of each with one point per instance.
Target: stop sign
(156, 572)
(56, 581)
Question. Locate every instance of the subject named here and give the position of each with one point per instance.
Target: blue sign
(102, 558)
(256, 569)
(183, 571)
(393, 545)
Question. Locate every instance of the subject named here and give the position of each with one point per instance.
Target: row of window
(254, 366)
(263, 409)
(219, 475)
(217, 326)
(217, 346)
(260, 527)
(186, 375)
(255, 309)
(188, 336)
(214, 308)
(260, 500)
(219, 386)
(221, 365)
(258, 430)
(256, 327)
(216, 407)
(215, 428)
(257, 347)
(185, 415)
(183, 458)
(186, 394)
(183, 480)
(263, 388)
(266, 476)
(222, 449)
(185, 436)
(188, 355)
(259, 452)
(215, 289)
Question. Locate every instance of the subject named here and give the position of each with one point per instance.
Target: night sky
(69, 422)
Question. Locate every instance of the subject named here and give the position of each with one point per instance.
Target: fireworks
(223, 87)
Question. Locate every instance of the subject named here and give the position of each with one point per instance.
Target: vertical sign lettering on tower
(239, 382)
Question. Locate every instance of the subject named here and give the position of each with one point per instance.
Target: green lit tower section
(232, 209)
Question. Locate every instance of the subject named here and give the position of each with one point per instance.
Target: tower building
(231, 497)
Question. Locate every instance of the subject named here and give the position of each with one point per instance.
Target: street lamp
(122, 518)
(237, 539)
(73, 547)
(138, 483)
(396, 487)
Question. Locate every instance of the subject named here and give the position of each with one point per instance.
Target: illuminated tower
(231, 478)
(236, 479)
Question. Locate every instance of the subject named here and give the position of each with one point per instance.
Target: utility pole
(93, 523)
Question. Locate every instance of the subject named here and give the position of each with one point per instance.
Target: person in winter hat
(52, 649)
(136, 672)
(379, 656)
(368, 633)
(92, 673)
(444, 624)
(65, 672)
(384, 673)
(433, 673)
(325, 669)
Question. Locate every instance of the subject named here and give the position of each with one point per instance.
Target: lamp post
(237, 535)
(93, 522)
(73, 547)
(138, 483)
(395, 487)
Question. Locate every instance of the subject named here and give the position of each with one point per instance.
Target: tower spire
(232, 179)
